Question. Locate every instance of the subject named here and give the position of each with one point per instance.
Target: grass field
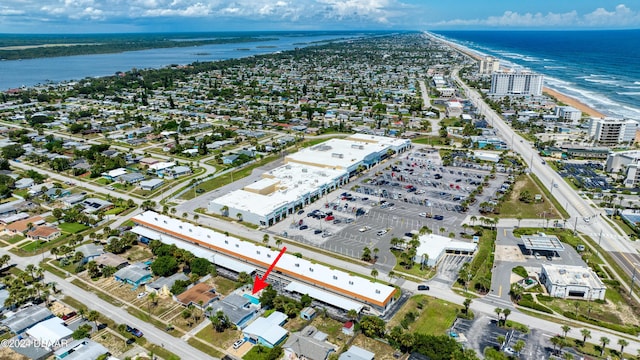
(435, 317)
(72, 228)
(220, 339)
(514, 208)
(431, 140)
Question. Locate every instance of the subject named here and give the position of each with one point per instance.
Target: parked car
(303, 227)
(238, 343)
(329, 218)
(136, 332)
(438, 217)
(142, 294)
(423, 287)
(317, 231)
(300, 212)
(69, 315)
(381, 232)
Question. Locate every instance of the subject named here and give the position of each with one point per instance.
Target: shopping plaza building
(306, 176)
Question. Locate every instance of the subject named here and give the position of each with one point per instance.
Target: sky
(121, 16)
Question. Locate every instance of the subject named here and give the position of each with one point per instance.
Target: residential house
(178, 171)
(93, 205)
(43, 233)
(160, 168)
(26, 318)
(90, 251)
(201, 295)
(111, 259)
(51, 331)
(72, 200)
(83, 349)
(308, 344)
(38, 189)
(10, 208)
(267, 331)
(238, 309)
(22, 226)
(356, 353)
(23, 183)
(151, 184)
(114, 174)
(135, 274)
(162, 285)
(55, 193)
(131, 178)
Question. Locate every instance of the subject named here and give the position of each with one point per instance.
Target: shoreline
(573, 102)
(561, 97)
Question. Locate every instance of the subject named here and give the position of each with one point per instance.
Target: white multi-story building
(575, 282)
(488, 65)
(612, 131)
(568, 113)
(519, 82)
(625, 162)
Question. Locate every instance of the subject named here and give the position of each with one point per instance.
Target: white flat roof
(435, 245)
(382, 140)
(294, 182)
(49, 331)
(161, 165)
(268, 328)
(324, 296)
(199, 251)
(302, 269)
(564, 275)
(336, 153)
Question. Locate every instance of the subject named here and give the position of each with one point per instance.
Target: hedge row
(631, 330)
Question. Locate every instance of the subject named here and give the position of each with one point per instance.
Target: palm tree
(375, 253)
(442, 230)
(352, 315)
(557, 341)
(586, 334)
(466, 304)
(519, 346)
(604, 341)
(498, 311)
(4, 259)
(374, 274)
(278, 242)
(265, 239)
(93, 316)
(565, 330)
(567, 356)
(622, 343)
(506, 313)
(473, 219)
(196, 217)
(224, 210)
(519, 219)
(185, 215)
(425, 259)
(151, 299)
(239, 216)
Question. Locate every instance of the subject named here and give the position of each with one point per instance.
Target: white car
(238, 343)
(423, 214)
(364, 228)
(381, 232)
(142, 294)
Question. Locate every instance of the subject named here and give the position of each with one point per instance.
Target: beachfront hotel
(307, 176)
(516, 82)
(488, 65)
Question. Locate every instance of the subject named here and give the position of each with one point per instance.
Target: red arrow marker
(259, 283)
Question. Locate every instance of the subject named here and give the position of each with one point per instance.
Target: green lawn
(514, 208)
(114, 211)
(258, 352)
(435, 318)
(72, 228)
(431, 140)
(482, 262)
(33, 246)
(14, 239)
(222, 340)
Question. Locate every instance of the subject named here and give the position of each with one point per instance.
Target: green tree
(586, 334)
(164, 266)
(372, 326)
(267, 296)
(604, 341)
(200, 266)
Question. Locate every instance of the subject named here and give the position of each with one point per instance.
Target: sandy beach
(573, 102)
(566, 99)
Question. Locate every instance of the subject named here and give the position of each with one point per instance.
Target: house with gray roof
(131, 178)
(308, 344)
(237, 308)
(90, 251)
(26, 318)
(162, 285)
(83, 349)
(23, 183)
(151, 184)
(134, 274)
(356, 353)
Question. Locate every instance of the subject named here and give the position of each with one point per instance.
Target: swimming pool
(254, 300)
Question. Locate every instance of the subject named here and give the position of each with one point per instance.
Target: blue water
(254, 300)
(16, 73)
(600, 68)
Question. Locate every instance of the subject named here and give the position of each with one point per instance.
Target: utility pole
(575, 227)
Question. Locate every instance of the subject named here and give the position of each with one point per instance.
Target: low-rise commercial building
(434, 247)
(342, 285)
(576, 282)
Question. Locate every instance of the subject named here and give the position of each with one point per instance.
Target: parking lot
(586, 175)
(394, 199)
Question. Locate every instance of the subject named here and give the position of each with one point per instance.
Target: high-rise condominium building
(489, 65)
(518, 82)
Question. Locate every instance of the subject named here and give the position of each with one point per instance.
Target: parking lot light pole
(575, 227)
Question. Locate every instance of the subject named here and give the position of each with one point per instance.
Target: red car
(329, 218)
(69, 315)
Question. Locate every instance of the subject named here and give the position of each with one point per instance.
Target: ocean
(600, 67)
(30, 72)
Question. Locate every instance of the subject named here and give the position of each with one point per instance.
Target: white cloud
(621, 16)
